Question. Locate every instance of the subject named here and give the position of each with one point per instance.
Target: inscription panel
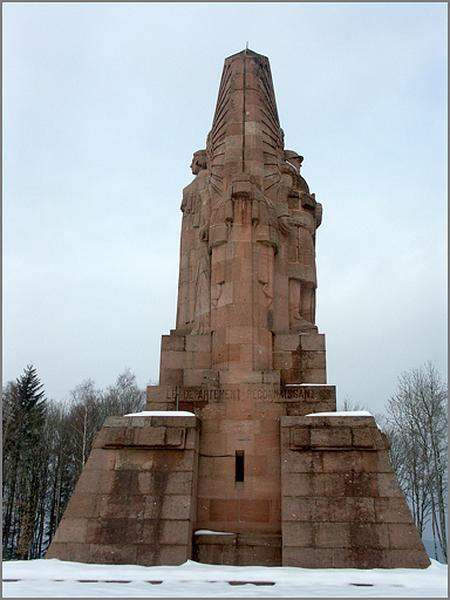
(285, 394)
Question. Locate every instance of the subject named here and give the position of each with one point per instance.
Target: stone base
(238, 549)
(313, 491)
(341, 503)
(135, 501)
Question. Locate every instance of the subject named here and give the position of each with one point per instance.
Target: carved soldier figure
(194, 292)
(302, 215)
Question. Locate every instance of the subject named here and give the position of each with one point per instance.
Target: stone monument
(233, 464)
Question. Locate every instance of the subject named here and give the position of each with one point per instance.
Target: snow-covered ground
(59, 579)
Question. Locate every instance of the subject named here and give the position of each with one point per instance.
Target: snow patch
(308, 385)
(342, 413)
(162, 413)
(211, 532)
(39, 578)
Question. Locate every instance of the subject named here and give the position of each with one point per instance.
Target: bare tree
(45, 446)
(124, 396)
(417, 418)
(349, 405)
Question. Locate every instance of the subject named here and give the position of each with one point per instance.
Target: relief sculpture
(299, 216)
(194, 286)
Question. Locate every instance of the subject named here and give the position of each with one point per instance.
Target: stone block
(312, 342)
(198, 377)
(173, 343)
(364, 437)
(308, 558)
(149, 436)
(223, 539)
(405, 558)
(331, 437)
(332, 535)
(176, 482)
(73, 551)
(298, 484)
(338, 421)
(256, 555)
(370, 461)
(175, 437)
(198, 343)
(100, 481)
(328, 484)
(114, 554)
(392, 510)
(223, 509)
(360, 484)
(73, 530)
(256, 465)
(383, 464)
(125, 505)
(388, 486)
(114, 437)
(369, 535)
(357, 510)
(197, 360)
(299, 509)
(297, 534)
(335, 462)
(82, 505)
(300, 437)
(113, 531)
(314, 375)
(160, 531)
(254, 511)
(171, 421)
(128, 459)
(365, 558)
(172, 507)
(170, 554)
(171, 359)
(297, 462)
(171, 377)
(313, 360)
(282, 360)
(287, 342)
(160, 394)
(404, 535)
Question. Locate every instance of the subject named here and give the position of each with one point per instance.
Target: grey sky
(104, 105)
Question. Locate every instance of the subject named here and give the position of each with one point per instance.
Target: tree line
(46, 444)
(416, 423)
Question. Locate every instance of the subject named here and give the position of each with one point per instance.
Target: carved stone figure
(299, 223)
(194, 284)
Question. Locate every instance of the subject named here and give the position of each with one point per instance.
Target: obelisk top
(245, 136)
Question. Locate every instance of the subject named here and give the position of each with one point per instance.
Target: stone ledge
(328, 421)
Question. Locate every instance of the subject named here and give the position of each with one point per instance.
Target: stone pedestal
(341, 503)
(135, 501)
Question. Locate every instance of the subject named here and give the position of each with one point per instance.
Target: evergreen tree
(25, 408)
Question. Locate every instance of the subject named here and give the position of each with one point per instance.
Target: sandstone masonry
(249, 478)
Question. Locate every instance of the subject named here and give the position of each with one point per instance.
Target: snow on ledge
(211, 532)
(342, 413)
(162, 413)
(308, 385)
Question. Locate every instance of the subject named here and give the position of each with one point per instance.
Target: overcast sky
(104, 105)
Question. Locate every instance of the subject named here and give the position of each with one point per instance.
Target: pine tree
(25, 407)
